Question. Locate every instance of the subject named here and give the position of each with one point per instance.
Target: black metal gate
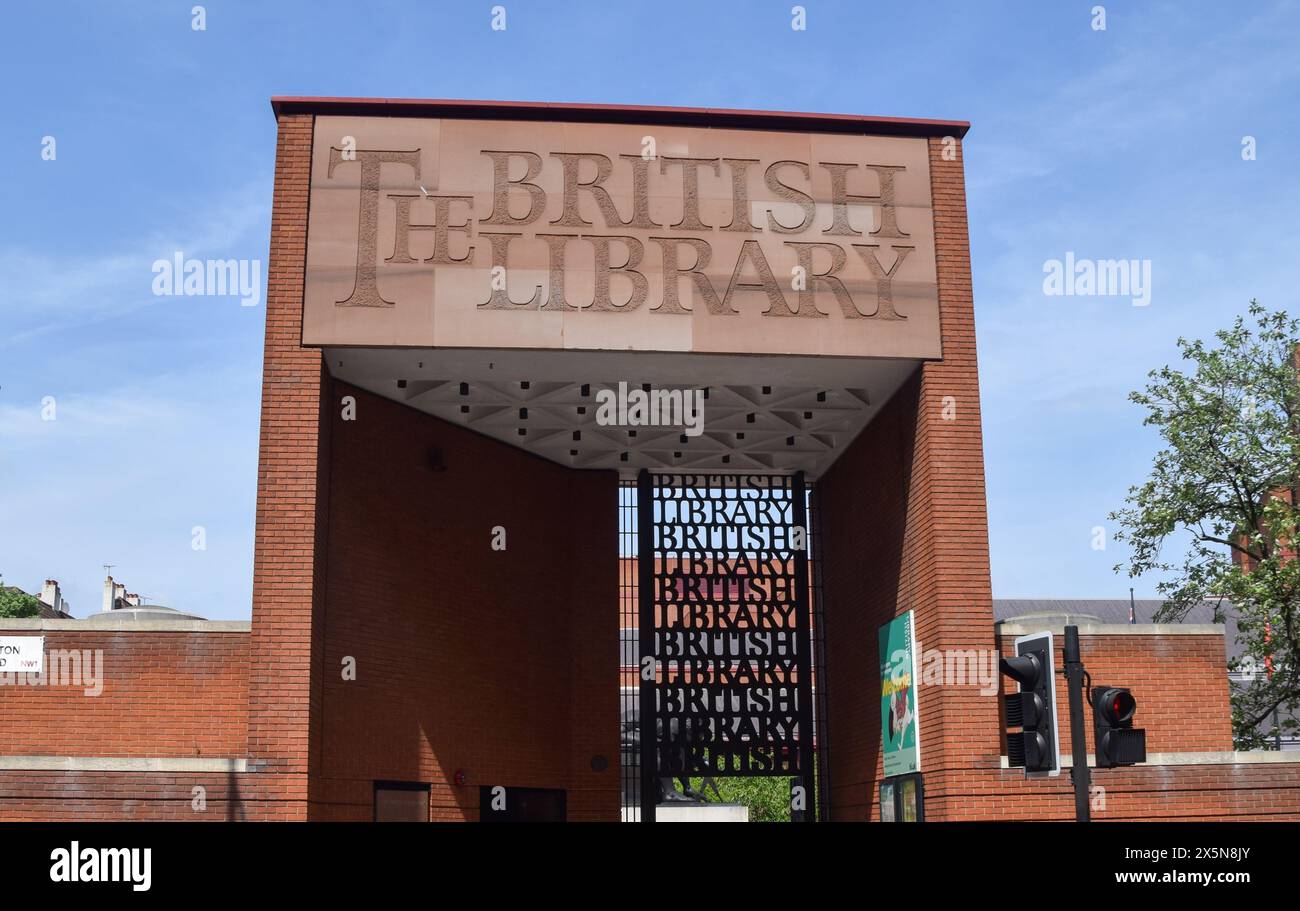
(725, 658)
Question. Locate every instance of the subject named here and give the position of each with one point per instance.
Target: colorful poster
(907, 790)
(900, 736)
(887, 801)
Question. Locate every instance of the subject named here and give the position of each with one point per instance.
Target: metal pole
(648, 739)
(803, 621)
(1079, 772)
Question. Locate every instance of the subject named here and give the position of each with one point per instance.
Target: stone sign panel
(446, 232)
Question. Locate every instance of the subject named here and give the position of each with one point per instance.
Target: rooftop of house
(1115, 610)
(51, 608)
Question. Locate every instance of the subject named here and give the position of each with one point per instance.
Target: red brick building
(436, 605)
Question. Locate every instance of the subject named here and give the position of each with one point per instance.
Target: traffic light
(1117, 741)
(1033, 709)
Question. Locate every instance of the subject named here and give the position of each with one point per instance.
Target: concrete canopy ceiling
(762, 414)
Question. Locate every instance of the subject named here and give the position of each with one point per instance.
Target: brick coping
(1252, 757)
(1086, 628)
(124, 624)
(125, 764)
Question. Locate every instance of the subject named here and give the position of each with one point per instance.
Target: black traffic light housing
(1118, 743)
(1035, 747)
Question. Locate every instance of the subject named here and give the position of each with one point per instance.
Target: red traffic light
(1118, 742)
(1117, 707)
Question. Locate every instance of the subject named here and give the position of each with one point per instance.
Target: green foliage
(768, 799)
(15, 604)
(1229, 478)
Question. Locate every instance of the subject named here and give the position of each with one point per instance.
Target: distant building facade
(1238, 666)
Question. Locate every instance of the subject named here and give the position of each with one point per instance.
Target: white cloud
(81, 416)
(48, 293)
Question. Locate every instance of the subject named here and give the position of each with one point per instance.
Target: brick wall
(905, 528)
(1180, 682)
(114, 796)
(394, 722)
(1225, 791)
(283, 693)
(170, 694)
(163, 694)
(500, 664)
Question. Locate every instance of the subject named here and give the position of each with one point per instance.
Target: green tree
(1228, 479)
(18, 604)
(768, 799)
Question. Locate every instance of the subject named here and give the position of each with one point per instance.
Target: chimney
(108, 593)
(52, 597)
(133, 599)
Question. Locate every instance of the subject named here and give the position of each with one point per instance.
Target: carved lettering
(572, 163)
(441, 229)
(751, 252)
(640, 192)
(501, 184)
(672, 272)
(789, 194)
(555, 298)
(884, 280)
(840, 199)
(601, 301)
(500, 296)
(425, 222)
(690, 189)
(740, 217)
(807, 296)
(365, 289)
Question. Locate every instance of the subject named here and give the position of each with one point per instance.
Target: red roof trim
(625, 113)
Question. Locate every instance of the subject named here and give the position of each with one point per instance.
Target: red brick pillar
(905, 528)
(288, 568)
(958, 606)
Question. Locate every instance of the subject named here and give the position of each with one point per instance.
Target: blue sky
(1122, 143)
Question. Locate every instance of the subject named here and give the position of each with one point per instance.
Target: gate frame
(648, 720)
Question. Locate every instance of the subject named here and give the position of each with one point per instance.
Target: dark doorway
(401, 801)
